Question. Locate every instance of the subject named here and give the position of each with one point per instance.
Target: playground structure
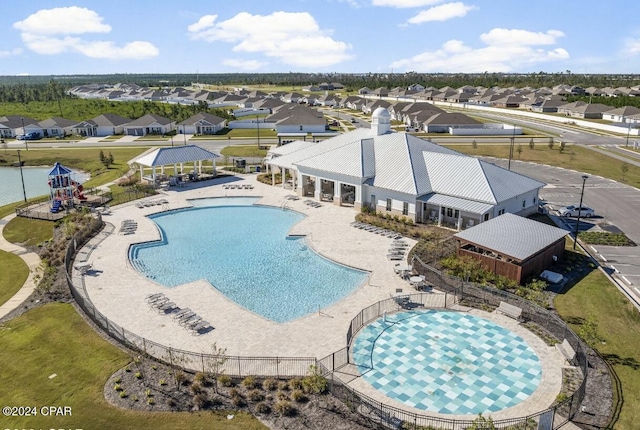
(63, 190)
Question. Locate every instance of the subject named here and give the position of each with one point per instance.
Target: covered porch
(451, 212)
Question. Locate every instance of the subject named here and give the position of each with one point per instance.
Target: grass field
(27, 231)
(619, 326)
(53, 339)
(243, 151)
(13, 274)
(574, 157)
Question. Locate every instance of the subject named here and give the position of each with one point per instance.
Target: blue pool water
(447, 362)
(244, 252)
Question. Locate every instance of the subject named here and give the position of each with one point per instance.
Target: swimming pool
(244, 251)
(447, 362)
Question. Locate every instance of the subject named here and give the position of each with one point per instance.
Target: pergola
(177, 156)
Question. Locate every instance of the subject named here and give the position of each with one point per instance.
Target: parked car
(353, 120)
(572, 210)
(29, 136)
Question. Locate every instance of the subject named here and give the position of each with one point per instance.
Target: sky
(50, 37)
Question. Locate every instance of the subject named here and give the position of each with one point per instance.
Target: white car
(572, 210)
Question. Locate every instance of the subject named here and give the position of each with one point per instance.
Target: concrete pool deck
(118, 290)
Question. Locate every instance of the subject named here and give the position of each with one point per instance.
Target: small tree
(624, 169)
(215, 364)
(562, 146)
(482, 423)
(474, 144)
(110, 158)
(519, 150)
(101, 156)
(551, 143)
(531, 143)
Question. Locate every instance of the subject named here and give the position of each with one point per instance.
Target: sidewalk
(30, 258)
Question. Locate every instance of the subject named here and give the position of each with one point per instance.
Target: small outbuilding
(512, 246)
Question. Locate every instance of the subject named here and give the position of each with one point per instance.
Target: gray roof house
(149, 124)
(202, 123)
(400, 174)
(57, 126)
(103, 125)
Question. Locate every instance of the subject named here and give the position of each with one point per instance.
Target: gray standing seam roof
(175, 155)
(512, 235)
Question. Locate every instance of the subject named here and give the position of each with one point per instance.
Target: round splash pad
(447, 362)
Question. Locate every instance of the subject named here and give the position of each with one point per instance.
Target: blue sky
(352, 36)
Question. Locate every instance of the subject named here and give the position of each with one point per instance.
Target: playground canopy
(176, 156)
(59, 169)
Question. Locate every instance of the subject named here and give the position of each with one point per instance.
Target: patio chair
(190, 322)
(167, 306)
(195, 330)
(181, 313)
(395, 257)
(152, 297)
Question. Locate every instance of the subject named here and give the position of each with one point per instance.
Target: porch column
(318, 190)
(213, 166)
(162, 169)
(273, 178)
(337, 193)
(175, 169)
(439, 215)
(141, 172)
(284, 176)
(459, 220)
(299, 183)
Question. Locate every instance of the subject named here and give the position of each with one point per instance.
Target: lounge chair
(159, 301)
(167, 306)
(181, 313)
(152, 297)
(395, 257)
(139, 205)
(190, 322)
(200, 326)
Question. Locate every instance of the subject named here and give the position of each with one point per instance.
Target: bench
(566, 350)
(510, 310)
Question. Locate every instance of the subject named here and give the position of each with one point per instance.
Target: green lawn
(13, 274)
(619, 326)
(574, 157)
(243, 151)
(53, 339)
(27, 231)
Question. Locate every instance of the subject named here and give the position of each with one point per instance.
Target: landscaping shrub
(283, 385)
(249, 382)
(256, 396)
(225, 381)
(299, 396)
(295, 383)
(314, 382)
(281, 395)
(270, 384)
(284, 408)
(263, 408)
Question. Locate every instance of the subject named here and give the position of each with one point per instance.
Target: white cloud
(244, 64)
(444, 12)
(59, 30)
(10, 52)
(632, 46)
(456, 56)
(405, 3)
(507, 37)
(203, 23)
(138, 50)
(293, 38)
(63, 20)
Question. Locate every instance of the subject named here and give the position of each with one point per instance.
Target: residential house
(202, 123)
(103, 125)
(57, 126)
(441, 122)
(150, 124)
(297, 120)
(14, 125)
(621, 114)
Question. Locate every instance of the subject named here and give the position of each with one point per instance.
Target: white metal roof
(512, 235)
(174, 155)
(456, 203)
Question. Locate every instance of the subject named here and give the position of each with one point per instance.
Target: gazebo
(177, 156)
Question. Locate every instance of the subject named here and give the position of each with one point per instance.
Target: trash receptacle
(257, 169)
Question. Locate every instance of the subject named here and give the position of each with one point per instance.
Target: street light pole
(575, 239)
(513, 137)
(24, 192)
(24, 134)
(258, 129)
(628, 132)
(184, 134)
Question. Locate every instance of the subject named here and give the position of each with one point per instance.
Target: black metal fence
(454, 290)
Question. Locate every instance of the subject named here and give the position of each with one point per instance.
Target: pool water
(245, 252)
(447, 362)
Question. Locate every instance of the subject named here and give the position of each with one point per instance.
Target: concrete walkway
(31, 259)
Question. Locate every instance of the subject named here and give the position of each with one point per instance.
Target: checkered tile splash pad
(447, 362)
